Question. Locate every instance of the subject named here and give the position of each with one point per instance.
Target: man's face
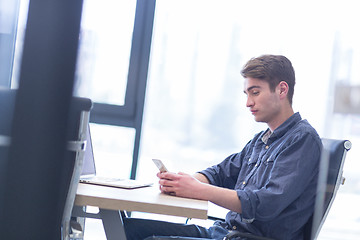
(263, 103)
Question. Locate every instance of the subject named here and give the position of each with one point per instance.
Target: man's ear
(283, 89)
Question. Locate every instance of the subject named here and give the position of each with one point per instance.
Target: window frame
(130, 114)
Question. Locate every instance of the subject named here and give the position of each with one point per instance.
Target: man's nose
(249, 102)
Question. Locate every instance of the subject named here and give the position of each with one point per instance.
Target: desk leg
(113, 224)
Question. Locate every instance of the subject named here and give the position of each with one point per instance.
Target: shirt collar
(283, 128)
(266, 136)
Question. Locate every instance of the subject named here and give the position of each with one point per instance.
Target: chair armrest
(234, 234)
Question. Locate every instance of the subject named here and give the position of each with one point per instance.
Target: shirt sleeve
(225, 174)
(295, 170)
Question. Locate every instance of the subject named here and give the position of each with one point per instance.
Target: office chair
(76, 139)
(330, 177)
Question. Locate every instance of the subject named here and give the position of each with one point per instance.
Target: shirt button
(244, 182)
(266, 147)
(234, 227)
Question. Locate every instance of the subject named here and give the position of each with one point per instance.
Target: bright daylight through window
(195, 113)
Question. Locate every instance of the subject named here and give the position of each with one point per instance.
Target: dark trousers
(139, 229)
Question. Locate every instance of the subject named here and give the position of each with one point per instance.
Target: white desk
(149, 199)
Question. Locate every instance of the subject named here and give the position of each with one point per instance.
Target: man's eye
(255, 93)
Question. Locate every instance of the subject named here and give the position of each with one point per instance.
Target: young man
(270, 186)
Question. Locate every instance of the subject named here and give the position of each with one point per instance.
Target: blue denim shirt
(275, 180)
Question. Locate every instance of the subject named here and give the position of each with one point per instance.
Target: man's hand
(197, 187)
(181, 184)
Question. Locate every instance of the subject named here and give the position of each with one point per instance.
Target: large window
(9, 15)
(112, 68)
(112, 65)
(102, 75)
(104, 54)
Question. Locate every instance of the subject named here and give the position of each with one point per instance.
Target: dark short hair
(272, 69)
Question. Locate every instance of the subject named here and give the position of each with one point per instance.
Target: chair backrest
(330, 177)
(76, 139)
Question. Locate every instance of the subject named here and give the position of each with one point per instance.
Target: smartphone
(160, 165)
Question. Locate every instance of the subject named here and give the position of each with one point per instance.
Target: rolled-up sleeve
(221, 174)
(226, 173)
